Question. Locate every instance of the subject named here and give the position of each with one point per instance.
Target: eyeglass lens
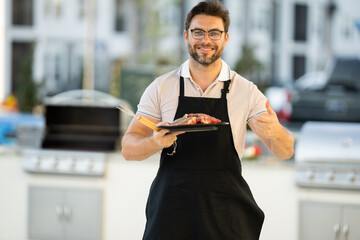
(199, 34)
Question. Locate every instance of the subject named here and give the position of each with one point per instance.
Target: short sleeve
(258, 102)
(149, 102)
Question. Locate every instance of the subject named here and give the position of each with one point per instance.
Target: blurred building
(61, 31)
(309, 34)
(292, 37)
(86, 39)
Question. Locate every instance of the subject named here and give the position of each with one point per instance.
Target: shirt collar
(223, 76)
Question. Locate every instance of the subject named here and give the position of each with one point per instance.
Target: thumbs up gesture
(267, 124)
(278, 139)
(269, 108)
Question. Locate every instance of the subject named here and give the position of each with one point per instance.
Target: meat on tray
(195, 118)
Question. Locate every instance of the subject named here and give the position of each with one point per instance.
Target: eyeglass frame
(205, 32)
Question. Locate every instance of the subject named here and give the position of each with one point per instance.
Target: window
(22, 12)
(53, 8)
(299, 62)
(119, 16)
(52, 63)
(62, 65)
(300, 22)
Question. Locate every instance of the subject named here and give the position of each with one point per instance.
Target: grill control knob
(353, 177)
(73, 165)
(91, 166)
(310, 174)
(37, 162)
(56, 163)
(332, 176)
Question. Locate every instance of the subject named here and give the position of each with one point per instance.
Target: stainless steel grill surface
(328, 155)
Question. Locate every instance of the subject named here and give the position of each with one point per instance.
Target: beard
(205, 60)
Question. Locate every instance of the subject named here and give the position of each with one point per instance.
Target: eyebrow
(209, 30)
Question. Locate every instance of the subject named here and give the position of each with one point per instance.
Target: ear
(226, 38)
(186, 36)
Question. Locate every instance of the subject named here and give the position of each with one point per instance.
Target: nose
(206, 38)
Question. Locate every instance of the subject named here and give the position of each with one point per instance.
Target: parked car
(320, 96)
(281, 95)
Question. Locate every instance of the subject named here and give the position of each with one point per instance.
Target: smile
(206, 49)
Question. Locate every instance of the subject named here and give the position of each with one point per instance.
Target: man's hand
(140, 142)
(164, 138)
(267, 127)
(267, 124)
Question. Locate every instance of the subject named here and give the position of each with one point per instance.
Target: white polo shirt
(160, 99)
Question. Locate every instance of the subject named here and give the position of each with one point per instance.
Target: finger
(178, 133)
(173, 135)
(269, 108)
(162, 123)
(162, 132)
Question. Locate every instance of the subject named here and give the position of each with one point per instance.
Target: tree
(27, 93)
(248, 65)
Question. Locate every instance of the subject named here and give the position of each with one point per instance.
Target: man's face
(206, 51)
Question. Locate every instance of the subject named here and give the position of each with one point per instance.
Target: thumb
(269, 109)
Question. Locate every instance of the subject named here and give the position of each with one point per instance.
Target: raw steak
(195, 118)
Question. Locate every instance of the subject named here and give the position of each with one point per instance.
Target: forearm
(282, 145)
(138, 147)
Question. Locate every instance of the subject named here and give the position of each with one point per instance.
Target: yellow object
(143, 120)
(10, 103)
(147, 122)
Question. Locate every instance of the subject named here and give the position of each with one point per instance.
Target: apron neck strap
(181, 86)
(225, 89)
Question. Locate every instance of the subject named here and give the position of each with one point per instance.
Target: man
(199, 191)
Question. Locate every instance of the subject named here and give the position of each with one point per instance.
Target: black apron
(199, 192)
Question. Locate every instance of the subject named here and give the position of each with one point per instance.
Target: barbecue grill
(328, 155)
(81, 127)
(327, 173)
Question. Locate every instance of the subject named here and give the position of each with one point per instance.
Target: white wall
(3, 68)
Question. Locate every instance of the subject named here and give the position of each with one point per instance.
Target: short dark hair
(212, 8)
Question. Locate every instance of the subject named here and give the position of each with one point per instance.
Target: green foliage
(153, 30)
(27, 92)
(133, 83)
(248, 65)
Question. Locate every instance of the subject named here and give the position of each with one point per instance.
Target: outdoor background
(120, 46)
(304, 55)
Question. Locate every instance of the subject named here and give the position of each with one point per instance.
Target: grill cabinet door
(45, 213)
(64, 214)
(351, 223)
(319, 221)
(83, 214)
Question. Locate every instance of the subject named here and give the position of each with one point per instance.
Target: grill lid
(331, 142)
(84, 120)
(83, 97)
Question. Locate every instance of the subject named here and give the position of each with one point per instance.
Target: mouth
(205, 49)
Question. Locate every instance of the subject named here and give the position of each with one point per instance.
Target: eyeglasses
(200, 34)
